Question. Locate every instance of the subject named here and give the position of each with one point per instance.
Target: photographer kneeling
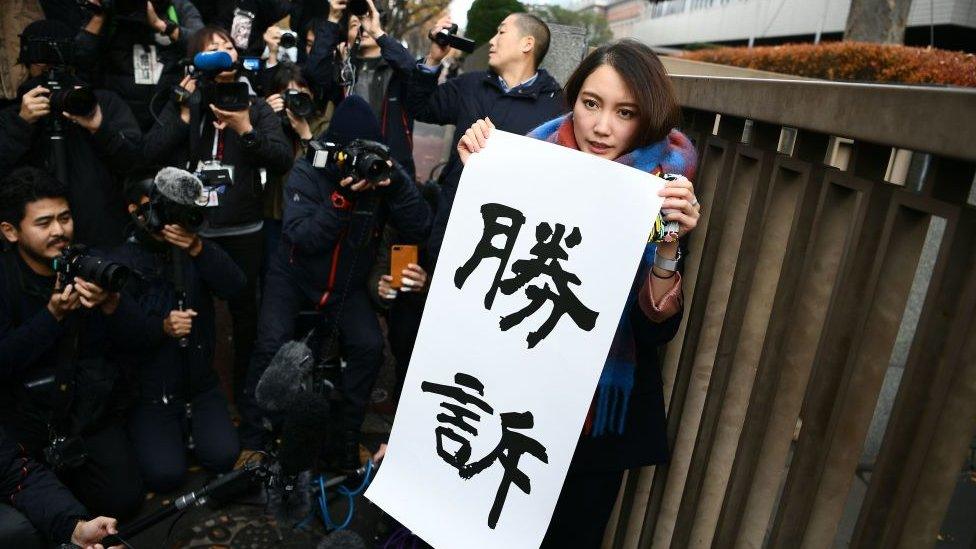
(235, 141)
(335, 203)
(180, 405)
(61, 319)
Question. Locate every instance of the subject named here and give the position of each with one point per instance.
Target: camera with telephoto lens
(65, 453)
(74, 261)
(299, 103)
(448, 37)
(79, 100)
(360, 159)
(289, 39)
(76, 100)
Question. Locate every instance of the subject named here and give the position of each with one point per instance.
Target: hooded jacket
(329, 241)
(470, 97)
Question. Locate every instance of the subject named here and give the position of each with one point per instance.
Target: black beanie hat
(353, 119)
(45, 28)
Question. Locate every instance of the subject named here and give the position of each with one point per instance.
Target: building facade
(681, 23)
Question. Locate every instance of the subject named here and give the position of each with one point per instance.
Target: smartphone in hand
(401, 255)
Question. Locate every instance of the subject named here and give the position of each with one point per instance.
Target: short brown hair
(648, 82)
(531, 25)
(201, 39)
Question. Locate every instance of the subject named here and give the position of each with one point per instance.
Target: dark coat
(97, 164)
(172, 142)
(30, 338)
(161, 365)
(395, 124)
(328, 246)
(470, 97)
(36, 492)
(108, 58)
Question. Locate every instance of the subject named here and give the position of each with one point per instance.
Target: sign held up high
(539, 256)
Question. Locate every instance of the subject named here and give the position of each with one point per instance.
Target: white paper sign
(526, 405)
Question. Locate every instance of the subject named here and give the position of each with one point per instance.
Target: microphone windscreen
(179, 186)
(283, 378)
(213, 61)
(342, 539)
(304, 432)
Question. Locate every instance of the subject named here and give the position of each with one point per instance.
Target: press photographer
(134, 48)
(353, 55)
(180, 405)
(336, 199)
(292, 98)
(234, 141)
(60, 327)
(87, 138)
(514, 93)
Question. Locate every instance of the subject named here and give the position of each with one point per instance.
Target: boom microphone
(285, 376)
(213, 61)
(180, 186)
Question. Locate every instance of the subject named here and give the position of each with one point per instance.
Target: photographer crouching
(180, 404)
(234, 141)
(336, 201)
(61, 320)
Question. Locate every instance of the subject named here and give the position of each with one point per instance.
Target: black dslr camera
(360, 159)
(75, 261)
(448, 37)
(79, 101)
(299, 103)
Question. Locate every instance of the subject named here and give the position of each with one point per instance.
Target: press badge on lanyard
(215, 175)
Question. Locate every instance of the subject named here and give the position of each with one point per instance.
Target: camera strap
(64, 377)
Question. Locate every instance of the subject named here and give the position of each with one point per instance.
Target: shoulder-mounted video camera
(75, 261)
(448, 37)
(360, 159)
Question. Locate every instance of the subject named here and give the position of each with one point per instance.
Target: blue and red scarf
(673, 154)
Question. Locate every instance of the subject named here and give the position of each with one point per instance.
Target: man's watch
(665, 263)
(170, 27)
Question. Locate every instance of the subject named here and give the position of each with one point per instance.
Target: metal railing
(822, 389)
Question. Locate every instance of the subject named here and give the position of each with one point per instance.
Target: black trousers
(159, 434)
(583, 509)
(247, 251)
(403, 323)
(359, 336)
(17, 531)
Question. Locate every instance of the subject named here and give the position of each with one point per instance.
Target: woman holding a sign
(623, 108)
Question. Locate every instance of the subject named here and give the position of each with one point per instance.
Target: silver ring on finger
(694, 202)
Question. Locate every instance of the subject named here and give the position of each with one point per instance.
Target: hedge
(852, 61)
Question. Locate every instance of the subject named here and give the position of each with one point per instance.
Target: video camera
(75, 261)
(228, 96)
(360, 159)
(56, 52)
(448, 37)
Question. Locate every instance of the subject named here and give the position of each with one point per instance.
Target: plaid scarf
(673, 154)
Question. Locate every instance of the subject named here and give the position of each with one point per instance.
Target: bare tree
(880, 21)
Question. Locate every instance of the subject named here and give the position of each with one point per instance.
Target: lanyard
(217, 152)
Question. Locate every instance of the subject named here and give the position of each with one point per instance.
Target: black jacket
(29, 341)
(172, 142)
(161, 365)
(470, 97)
(321, 240)
(36, 492)
(395, 124)
(97, 164)
(108, 57)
